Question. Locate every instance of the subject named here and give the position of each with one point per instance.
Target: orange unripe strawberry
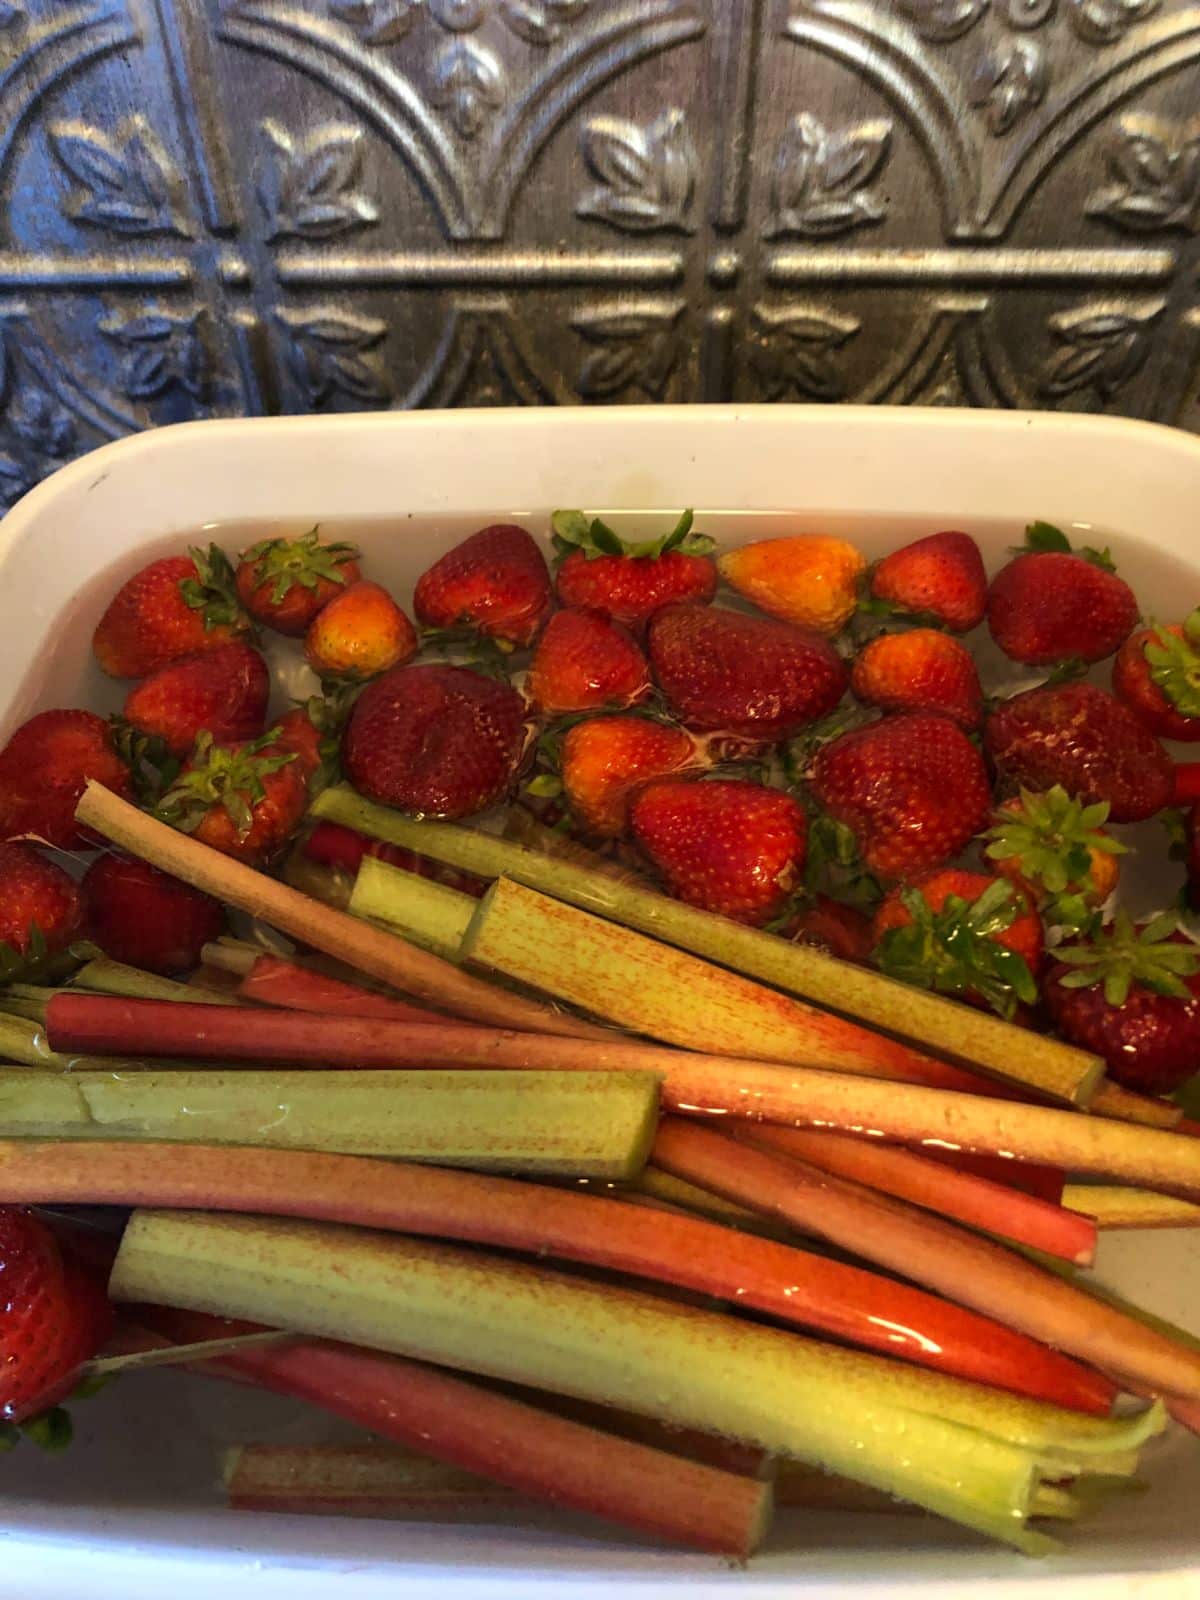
(359, 634)
(810, 579)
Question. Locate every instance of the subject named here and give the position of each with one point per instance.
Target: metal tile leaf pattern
(248, 206)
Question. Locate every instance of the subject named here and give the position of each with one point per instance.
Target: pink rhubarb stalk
(532, 1451)
(958, 1264)
(787, 1283)
(958, 1195)
(272, 981)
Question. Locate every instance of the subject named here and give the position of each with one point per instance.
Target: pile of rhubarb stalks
(577, 1194)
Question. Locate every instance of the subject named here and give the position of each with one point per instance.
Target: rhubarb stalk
(381, 955)
(530, 1450)
(271, 981)
(964, 1451)
(958, 1264)
(364, 1480)
(787, 1283)
(958, 1195)
(1113, 1207)
(653, 988)
(571, 1124)
(428, 913)
(929, 1020)
(735, 1087)
(103, 976)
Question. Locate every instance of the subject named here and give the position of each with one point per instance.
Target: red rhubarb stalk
(532, 1451)
(958, 1264)
(957, 1195)
(697, 1084)
(272, 981)
(787, 1283)
(1044, 1182)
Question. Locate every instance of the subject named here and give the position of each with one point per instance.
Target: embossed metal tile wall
(262, 205)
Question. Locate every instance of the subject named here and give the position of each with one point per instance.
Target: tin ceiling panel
(225, 207)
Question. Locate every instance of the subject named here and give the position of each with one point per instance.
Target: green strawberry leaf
(834, 867)
(286, 563)
(217, 776)
(955, 950)
(871, 605)
(1068, 671)
(1099, 558)
(1175, 666)
(1120, 956)
(151, 765)
(213, 590)
(37, 965)
(1044, 536)
(544, 787)
(51, 1430)
(1052, 838)
(573, 530)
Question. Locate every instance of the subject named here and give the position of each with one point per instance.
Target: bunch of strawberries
(813, 753)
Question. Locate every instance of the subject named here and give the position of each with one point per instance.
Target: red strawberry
(245, 800)
(920, 670)
(283, 583)
(584, 661)
(940, 576)
(436, 740)
(832, 926)
(965, 934)
(55, 1317)
(607, 759)
(727, 845)
(742, 674)
(146, 918)
(631, 581)
(1132, 996)
(223, 691)
(361, 633)
(1191, 855)
(44, 769)
(167, 610)
(1157, 675)
(496, 581)
(299, 736)
(1049, 604)
(912, 788)
(1079, 736)
(41, 911)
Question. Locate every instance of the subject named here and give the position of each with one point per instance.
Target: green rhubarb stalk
(359, 1480)
(430, 914)
(558, 1123)
(1113, 1206)
(22, 1040)
(114, 977)
(966, 1452)
(652, 988)
(27, 1000)
(929, 1020)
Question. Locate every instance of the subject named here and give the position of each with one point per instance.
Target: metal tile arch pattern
(225, 207)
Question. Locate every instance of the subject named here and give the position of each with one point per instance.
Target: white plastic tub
(132, 1511)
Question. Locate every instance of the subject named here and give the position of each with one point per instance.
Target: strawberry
(41, 912)
(1191, 856)
(1054, 849)
(1079, 736)
(810, 579)
(630, 581)
(1157, 675)
(745, 675)
(146, 918)
(435, 740)
(284, 583)
(940, 577)
(965, 934)
(361, 633)
(55, 1317)
(921, 670)
(167, 610)
(300, 736)
(495, 582)
(912, 789)
(223, 691)
(832, 926)
(606, 759)
(1132, 995)
(1049, 604)
(44, 769)
(245, 800)
(584, 661)
(726, 845)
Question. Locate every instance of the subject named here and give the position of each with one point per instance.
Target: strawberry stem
(213, 591)
(1175, 664)
(955, 951)
(1121, 955)
(574, 531)
(306, 562)
(216, 775)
